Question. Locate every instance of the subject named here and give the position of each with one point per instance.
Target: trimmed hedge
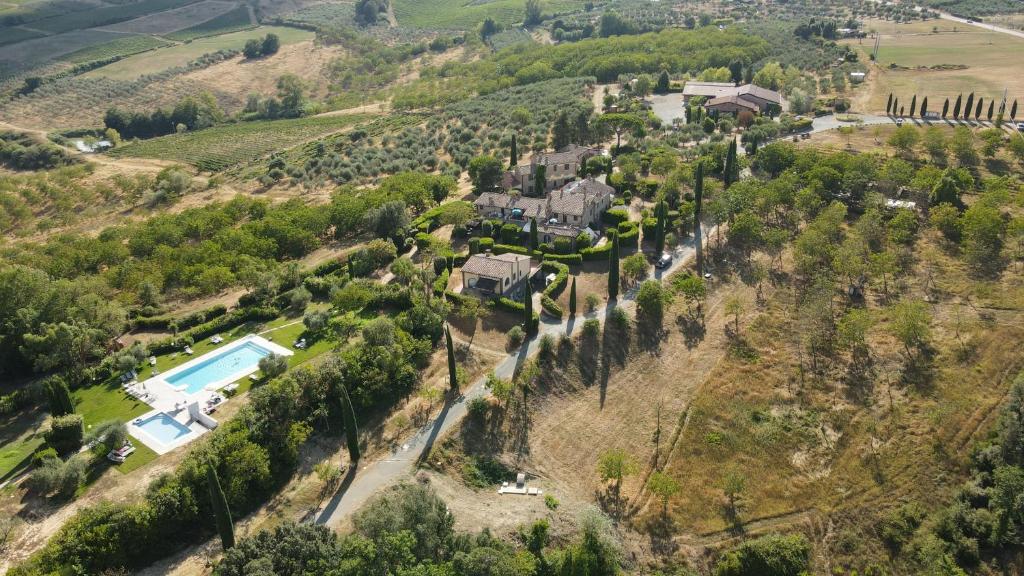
(510, 305)
(441, 282)
(629, 234)
(506, 248)
(614, 216)
(650, 227)
(554, 290)
(596, 253)
(550, 306)
(184, 322)
(565, 258)
(224, 323)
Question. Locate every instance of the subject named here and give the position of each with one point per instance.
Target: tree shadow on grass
(660, 530)
(693, 330)
(919, 370)
(611, 500)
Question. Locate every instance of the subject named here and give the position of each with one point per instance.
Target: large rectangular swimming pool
(234, 363)
(162, 427)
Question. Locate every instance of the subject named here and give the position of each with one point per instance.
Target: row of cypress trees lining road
(961, 108)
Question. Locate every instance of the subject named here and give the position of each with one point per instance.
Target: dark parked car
(664, 262)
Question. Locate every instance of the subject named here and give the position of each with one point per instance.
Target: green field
(446, 14)
(969, 59)
(121, 47)
(234, 20)
(182, 54)
(221, 147)
(13, 35)
(106, 15)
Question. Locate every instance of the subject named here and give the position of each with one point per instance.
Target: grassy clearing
(182, 54)
(20, 437)
(973, 60)
(105, 402)
(117, 48)
(445, 14)
(231, 21)
(220, 147)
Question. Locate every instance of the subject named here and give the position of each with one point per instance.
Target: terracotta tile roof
(574, 197)
(492, 265)
(733, 99)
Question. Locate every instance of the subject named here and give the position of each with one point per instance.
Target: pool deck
(164, 397)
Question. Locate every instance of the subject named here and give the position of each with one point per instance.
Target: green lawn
(180, 55)
(448, 14)
(142, 456)
(20, 437)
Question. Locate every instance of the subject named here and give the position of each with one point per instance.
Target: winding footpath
(360, 485)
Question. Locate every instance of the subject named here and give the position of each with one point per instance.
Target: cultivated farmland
(231, 21)
(121, 47)
(173, 20)
(956, 59)
(444, 14)
(221, 147)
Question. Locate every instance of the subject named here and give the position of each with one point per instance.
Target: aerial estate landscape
(511, 287)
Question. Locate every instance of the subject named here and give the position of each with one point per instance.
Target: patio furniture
(152, 360)
(216, 339)
(188, 350)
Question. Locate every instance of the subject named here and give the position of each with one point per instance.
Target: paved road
(986, 26)
(359, 485)
(830, 122)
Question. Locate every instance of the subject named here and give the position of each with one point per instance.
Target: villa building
(495, 274)
(725, 97)
(560, 168)
(579, 203)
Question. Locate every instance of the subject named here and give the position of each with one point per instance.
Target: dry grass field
(957, 58)
(182, 54)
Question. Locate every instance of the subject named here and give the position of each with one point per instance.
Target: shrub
(66, 433)
(516, 336)
(772, 555)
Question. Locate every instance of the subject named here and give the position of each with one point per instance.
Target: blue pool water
(163, 427)
(232, 363)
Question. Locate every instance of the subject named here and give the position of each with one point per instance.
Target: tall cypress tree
(945, 108)
(533, 235)
(956, 107)
(924, 107)
(572, 298)
(659, 229)
(968, 106)
(977, 109)
(730, 174)
(613, 269)
(888, 104)
(348, 420)
(513, 155)
(698, 201)
(59, 397)
(221, 512)
(913, 105)
(1013, 110)
(528, 308)
(991, 110)
(540, 180)
(453, 375)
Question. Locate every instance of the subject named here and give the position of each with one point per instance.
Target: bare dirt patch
(241, 77)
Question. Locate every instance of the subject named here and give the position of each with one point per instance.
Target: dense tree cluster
(189, 114)
(409, 530)
(22, 152)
